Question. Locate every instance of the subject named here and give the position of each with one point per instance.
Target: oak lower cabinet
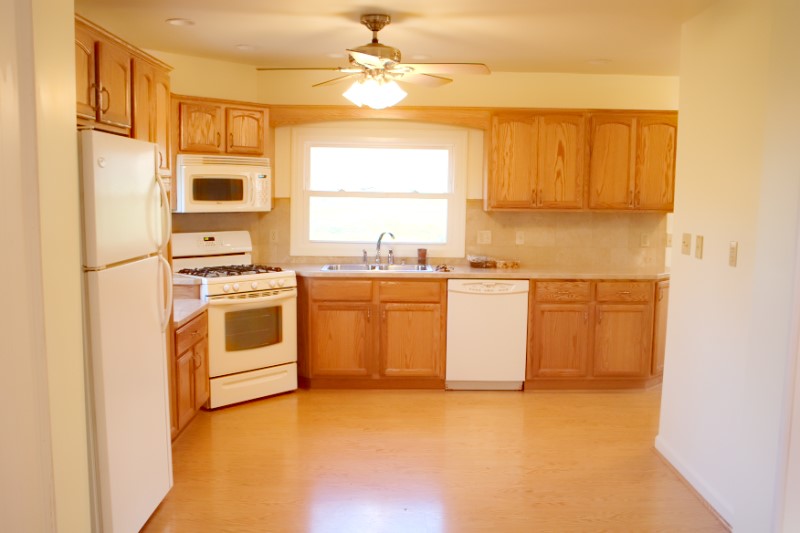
(372, 333)
(591, 334)
(191, 383)
(660, 327)
(623, 330)
(559, 336)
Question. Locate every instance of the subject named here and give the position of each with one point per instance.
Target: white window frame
(370, 134)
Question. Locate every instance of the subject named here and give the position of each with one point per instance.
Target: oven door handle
(224, 300)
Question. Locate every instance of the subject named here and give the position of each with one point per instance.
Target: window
(352, 182)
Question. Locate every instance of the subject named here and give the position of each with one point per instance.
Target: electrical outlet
(669, 240)
(520, 237)
(686, 243)
(273, 235)
(644, 240)
(485, 237)
(733, 252)
(698, 247)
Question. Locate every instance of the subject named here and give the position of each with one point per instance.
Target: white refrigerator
(127, 300)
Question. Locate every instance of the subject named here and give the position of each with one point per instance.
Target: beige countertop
(314, 271)
(185, 309)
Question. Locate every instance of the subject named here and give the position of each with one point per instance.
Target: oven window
(217, 189)
(253, 328)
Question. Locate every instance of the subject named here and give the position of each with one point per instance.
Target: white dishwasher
(487, 334)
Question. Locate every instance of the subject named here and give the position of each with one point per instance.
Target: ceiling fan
(379, 64)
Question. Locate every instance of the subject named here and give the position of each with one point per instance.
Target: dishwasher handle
(488, 286)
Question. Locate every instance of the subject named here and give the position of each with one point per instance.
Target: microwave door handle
(283, 295)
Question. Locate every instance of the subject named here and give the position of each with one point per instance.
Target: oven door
(252, 331)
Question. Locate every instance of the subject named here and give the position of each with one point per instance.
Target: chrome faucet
(378, 248)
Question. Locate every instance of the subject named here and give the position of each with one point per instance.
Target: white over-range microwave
(222, 184)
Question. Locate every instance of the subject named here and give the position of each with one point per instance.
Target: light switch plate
(669, 240)
(733, 252)
(686, 243)
(698, 247)
(520, 237)
(644, 240)
(485, 237)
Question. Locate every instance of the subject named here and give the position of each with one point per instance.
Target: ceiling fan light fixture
(375, 93)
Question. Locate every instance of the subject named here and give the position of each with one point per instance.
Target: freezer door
(121, 198)
(129, 393)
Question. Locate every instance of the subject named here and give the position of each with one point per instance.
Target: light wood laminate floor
(428, 461)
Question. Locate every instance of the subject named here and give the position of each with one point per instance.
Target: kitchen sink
(360, 267)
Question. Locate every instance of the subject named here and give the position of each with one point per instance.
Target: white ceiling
(585, 36)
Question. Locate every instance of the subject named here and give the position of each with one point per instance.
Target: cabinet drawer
(192, 332)
(624, 291)
(341, 290)
(410, 291)
(563, 291)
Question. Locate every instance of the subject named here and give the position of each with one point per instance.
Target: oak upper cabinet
(190, 370)
(245, 130)
(151, 121)
(536, 161)
(623, 329)
(103, 79)
(340, 328)
(121, 89)
(558, 343)
(209, 126)
(201, 127)
(412, 329)
(632, 160)
(660, 327)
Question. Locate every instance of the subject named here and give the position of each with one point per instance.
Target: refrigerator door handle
(166, 283)
(166, 219)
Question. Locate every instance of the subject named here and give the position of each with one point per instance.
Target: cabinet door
(162, 122)
(200, 127)
(655, 162)
(411, 340)
(85, 74)
(144, 101)
(184, 385)
(245, 131)
(623, 336)
(202, 387)
(340, 342)
(660, 327)
(559, 341)
(611, 161)
(560, 165)
(512, 176)
(114, 75)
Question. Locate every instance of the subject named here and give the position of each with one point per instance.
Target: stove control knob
(226, 288)
(281, 282)
(273, 283)
(236, 286)
(254, 284)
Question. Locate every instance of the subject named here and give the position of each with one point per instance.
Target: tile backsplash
(551, 240)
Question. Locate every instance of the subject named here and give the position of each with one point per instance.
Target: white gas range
(252, 315)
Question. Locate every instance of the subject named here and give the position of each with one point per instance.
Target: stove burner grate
(229, 270)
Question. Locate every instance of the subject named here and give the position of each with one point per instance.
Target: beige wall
(500, 89)
(45, 476)
(210, 78)
(725, 390)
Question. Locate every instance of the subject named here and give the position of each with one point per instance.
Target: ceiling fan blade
(448, 68)
(423, 79)
(299, 68)
(368, 60)
(340, 79)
